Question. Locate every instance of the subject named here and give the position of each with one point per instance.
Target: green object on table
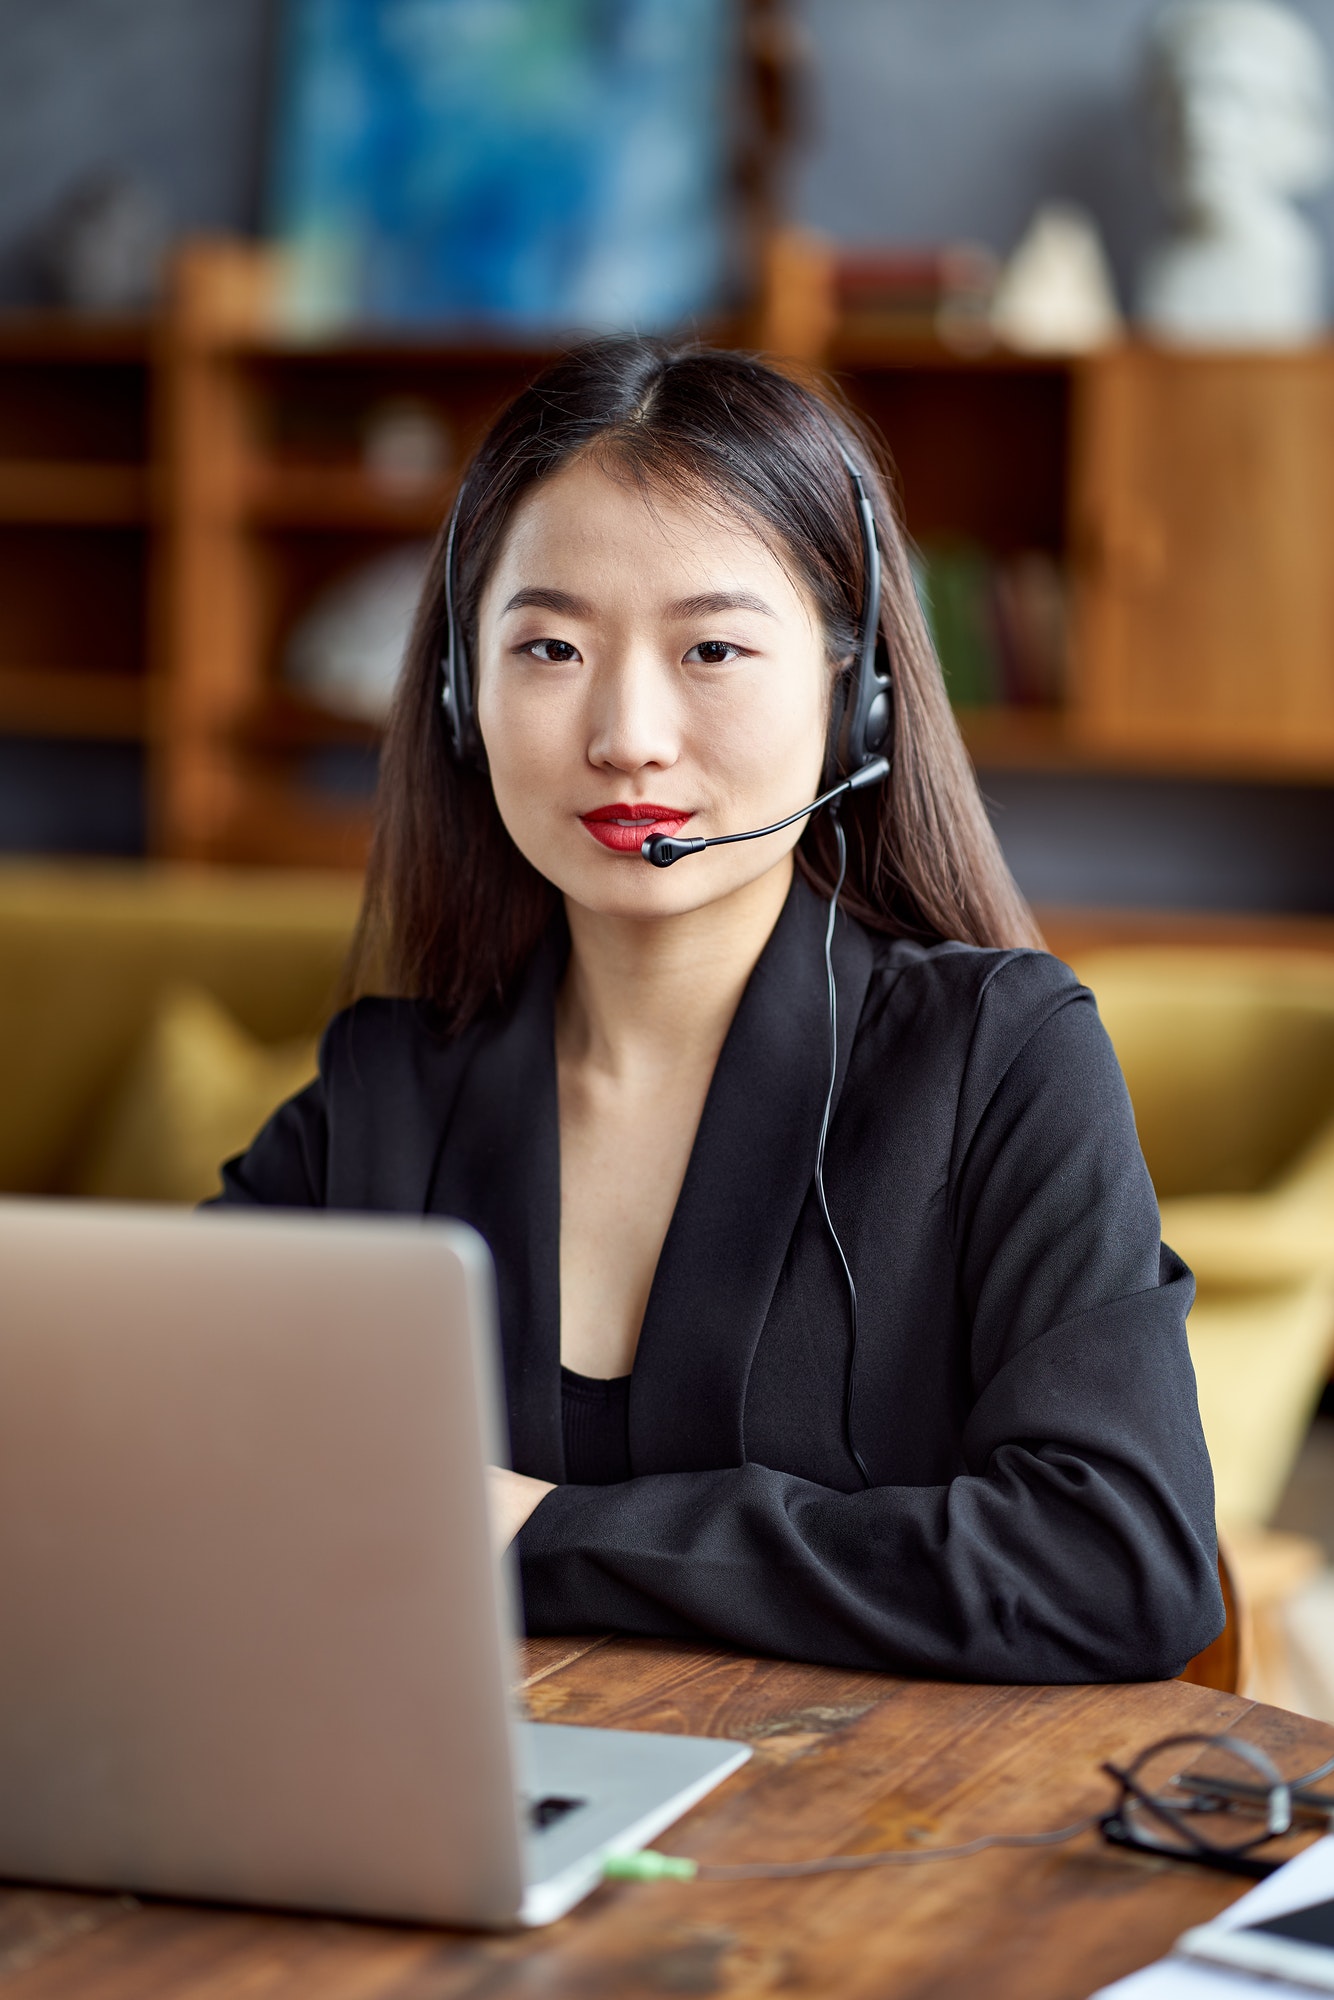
(648, 1867)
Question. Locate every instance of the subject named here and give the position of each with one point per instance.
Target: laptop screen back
(254, 1648)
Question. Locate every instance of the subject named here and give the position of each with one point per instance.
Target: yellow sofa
(107, 974)
(1229, 1058)
(91, 954)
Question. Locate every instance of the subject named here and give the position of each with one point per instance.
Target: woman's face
(645, 665)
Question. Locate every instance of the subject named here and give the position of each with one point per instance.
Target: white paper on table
(1307, 1878)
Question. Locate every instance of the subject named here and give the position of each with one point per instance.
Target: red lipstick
(625, 828)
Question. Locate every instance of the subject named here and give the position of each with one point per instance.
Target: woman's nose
(633, 718)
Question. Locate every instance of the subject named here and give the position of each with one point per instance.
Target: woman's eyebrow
(541, 597)
(710, 602)
(706, 604)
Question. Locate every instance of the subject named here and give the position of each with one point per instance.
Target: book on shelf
(998, 623)
(910, 296)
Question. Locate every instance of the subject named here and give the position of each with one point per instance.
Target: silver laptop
(255, 1645)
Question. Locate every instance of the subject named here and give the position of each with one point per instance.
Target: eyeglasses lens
(1184, 1796)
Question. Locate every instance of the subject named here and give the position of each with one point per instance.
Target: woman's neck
(639, 998)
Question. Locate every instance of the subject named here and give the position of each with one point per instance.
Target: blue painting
(526, 166)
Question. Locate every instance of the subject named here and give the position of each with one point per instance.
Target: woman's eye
(556, 651)
(713, 652)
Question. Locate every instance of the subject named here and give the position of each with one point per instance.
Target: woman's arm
(285, 1166)
(1054, 1563)
(1078, 1543)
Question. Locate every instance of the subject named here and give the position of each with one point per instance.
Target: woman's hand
(513, 1497)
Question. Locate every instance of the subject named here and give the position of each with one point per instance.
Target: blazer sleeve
(365, 1135)
(1078, 1542)
(286, 1164)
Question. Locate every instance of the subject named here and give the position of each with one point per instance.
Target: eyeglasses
(1230, 1800)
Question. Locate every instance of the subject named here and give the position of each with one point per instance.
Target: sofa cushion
(1229, 1058)
(87, 948)
(196, 1091)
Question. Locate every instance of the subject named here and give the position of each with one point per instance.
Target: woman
(973, 1452)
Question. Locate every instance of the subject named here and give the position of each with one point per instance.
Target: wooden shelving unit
(314, 497)
(1061, 740)
(173, 499)
(77, 494)
(1020, 739)
(1201, 516)
(1190, 501)
(67, 702)
(44, 493)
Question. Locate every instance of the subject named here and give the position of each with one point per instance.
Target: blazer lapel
(498, 1168)
(750, 1172)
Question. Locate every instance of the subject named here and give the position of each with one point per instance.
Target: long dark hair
(452, 910)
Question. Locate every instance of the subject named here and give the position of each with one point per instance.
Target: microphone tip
(662, 850)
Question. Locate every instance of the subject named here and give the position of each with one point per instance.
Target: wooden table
(844, 1762)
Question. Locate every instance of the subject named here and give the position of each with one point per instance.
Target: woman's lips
(624, 829)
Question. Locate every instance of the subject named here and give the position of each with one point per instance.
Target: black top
(1041, 1506)
(595, 1427)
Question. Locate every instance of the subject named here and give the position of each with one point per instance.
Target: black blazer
(1042, 1506)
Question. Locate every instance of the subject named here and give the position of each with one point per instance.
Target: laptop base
(599, 1792)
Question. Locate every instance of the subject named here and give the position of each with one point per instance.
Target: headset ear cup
(456, 692)
(863, 712)
(449, 706)
(465, 739)
(877, 723)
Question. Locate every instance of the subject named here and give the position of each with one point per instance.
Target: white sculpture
(1055, 294)
(1240, 101)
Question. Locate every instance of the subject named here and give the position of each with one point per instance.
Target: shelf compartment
(74, 597)
(73, 703)
(94, 412)
(1018, 739)
(1203, 749)
(53, 492)
(1059, 739)
(980, 450)
(318, 412)
(341, 496)
(287, 720)
(62, 338)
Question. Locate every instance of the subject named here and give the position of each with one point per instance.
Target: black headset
(863, 703)
(861, 730)
(456, 692)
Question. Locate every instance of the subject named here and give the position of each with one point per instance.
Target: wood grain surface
(844, 1763)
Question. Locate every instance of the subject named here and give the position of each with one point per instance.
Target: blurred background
(266, 271)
